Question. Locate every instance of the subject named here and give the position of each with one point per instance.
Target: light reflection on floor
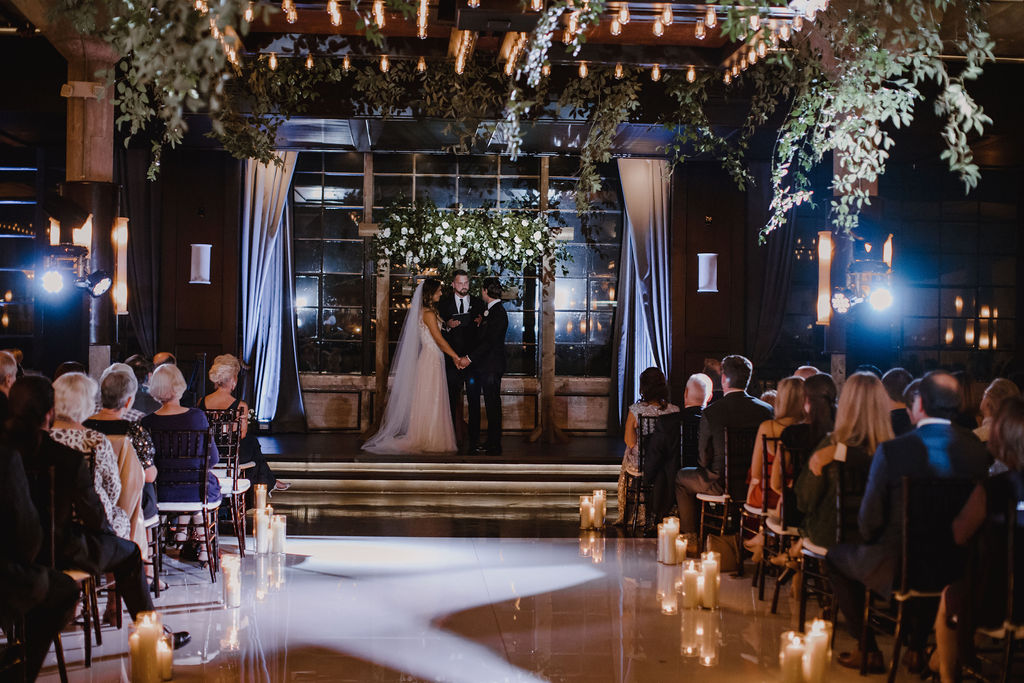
(467, 610)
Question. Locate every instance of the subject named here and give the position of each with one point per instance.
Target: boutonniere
(487, 312)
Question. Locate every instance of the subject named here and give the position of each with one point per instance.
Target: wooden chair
(639, 488)
(756, 516)
(720, 511)
(778, 535)
(851, 481)
(689, 443)
(183, 466)
(154, 540)
(930, 559)
(227, 434)
(12, 668)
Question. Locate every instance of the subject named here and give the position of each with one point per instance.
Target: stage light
(841, 303)
(98, 283)
(880, 299)
(53, 281)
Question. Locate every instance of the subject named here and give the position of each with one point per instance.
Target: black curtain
(140, 203)
(771, 269)
(291, 413)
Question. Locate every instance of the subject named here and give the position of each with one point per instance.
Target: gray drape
(645, 313)
(266, 245)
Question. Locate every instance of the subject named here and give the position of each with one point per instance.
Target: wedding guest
(653, 403)
(713, 369)
(995, 393)
(69, 366)
(789, 409)
(936, 448)
(912, 391)
(806, 371)
(8, 373)
(75, 400)
(19, 357)
(144, 403)
(869, 368)
(769, 396)
(895, 382)
(979, 600)
(862, 423)
(164, 358)
(735, 410)
(224, 375)
(82, 535)
(967, 415)
(167, 385)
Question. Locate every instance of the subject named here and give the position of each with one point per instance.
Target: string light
(421, 19)
(584, 71)
(755, 22)
(736, 68)
(762, 48)
(658, 28)
(473, 4)
(616, 27)
(201, 6)
(691, 75)
(309, 62)
(346, 63)
(698, 30)
(574, 23)
(655, 73)
(727, 78)
(248, 13)
(666, 16)
(537, 5)
(752, 56)
(272, 63)
(385, 63)
(334, 12)
(292, 16)
(619, 72)
(624, 14)
(566, 36)
(421, 65)
(378, 13)
(785, 32)
(214, 31)
(465, 48)
(711, 17)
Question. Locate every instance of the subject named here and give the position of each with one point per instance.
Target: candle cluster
(700, 635)
(592, 509)
(700, 584)
(270, 531)
(804, 657)
(671, 546)
(150, 650)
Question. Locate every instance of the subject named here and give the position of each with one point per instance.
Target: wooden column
(382, 366)
(547, 431)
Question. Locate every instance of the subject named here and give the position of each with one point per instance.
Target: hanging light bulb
(658, 28)
(566, 36)
(616, 27)
(762, 49)
(334, 12)
(574, 23)
(584, 71)
(691, 75)
(624, 13)
(273, 61)
(666, 16)
(619, 72)
(755, 22)
(473, 4)
(698, 30)
(536, 5)
(421, 65)
(798, 23)
(736, 68)
(385, 63)
(378, 13)
(727, 78)
(785, 32)
(292, 16)
(346, 63)
(655, 73)
(248, 13)
(711, 17)
(201, 6)
(545, 70)
(422, 15)
(214, 31)
(309, 62)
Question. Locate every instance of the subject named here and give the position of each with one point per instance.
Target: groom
(459, 312)
(486, 363)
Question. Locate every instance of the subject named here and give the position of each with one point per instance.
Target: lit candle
(709, 569)
(165, 656)
(791, 654)
(143, 649)
(263, 520)
(691, 592)
(708, 638)
(278, 533)
(586, 512)
(230, 568)
(817, 651)
(261, 496)
(600, 503)
(680, 549)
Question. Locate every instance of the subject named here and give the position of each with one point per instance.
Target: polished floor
(472, 610)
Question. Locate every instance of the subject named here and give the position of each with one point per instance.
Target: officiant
(459, 312)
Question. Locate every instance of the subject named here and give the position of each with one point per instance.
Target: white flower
(405, 230)
(537, 236)
(385, 233)
(444, 224)
(526, 223)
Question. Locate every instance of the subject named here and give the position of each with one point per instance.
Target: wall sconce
(824, 277)
(200, 264)
(54, 232)
(82, 237)
(887, 251)
(707, 272)
(119, 237)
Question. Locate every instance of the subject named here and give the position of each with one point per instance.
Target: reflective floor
(457, 609)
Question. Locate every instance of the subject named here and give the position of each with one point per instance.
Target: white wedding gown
(417, 418)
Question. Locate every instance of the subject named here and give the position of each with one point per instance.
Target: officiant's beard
(461, 285)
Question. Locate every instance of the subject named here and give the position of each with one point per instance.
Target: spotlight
(841, 303)
(880, 299)
(97, 284)
(53, 281)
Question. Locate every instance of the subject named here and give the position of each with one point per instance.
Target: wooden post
(547, 431)
(381, 364)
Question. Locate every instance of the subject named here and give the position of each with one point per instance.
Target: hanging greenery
(423, 238)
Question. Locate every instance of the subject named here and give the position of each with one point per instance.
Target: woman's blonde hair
(167, 383)
(74, 396)
(789, 398)
(863, 419)
(995, 393)
(224, 369)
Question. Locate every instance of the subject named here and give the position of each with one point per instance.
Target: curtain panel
(267, 316)
(645, 313)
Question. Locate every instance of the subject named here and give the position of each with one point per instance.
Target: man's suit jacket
(934, 450)
(488, 357)
(23, 583)
(462, 338)
(735, 410)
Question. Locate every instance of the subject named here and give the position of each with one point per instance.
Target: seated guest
(164, 358)
(133, 445)
(713, 369)
(869, 368)
(8, 373)
(19, 358)
(806, 371)
(862, 423)
(42, 596)
(653, 403)
(75, 400)
(895, 382)
(789, 409)
(224, 375)
(83, 538)
(995, 393)
(69, 366)
(769, 396)
(144, 403)
(979, 601)
(912, 391)
(967, 415)
(735, 410)
(936, 448)
(167, 386)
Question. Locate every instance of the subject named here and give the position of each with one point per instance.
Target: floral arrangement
(423, 238)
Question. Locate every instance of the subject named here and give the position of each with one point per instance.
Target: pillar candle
(791, 654)
(700, 589)
(709, 638)
(261, 496)
(586, 512)
(263, 521)
(600, 507)
(165, 655)
(709, 569)
(662, 543)
(680, 549)
(666, 589)
(143, 647)
(230, 568)
(817, 651)
(278, 533)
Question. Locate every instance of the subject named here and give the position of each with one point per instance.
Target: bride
(417, 418)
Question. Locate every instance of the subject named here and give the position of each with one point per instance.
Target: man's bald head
(940, 395)
(805, 371)
(164, 358)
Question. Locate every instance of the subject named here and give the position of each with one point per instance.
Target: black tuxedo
(486, 368)
(462, 339)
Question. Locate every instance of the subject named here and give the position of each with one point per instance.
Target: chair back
(739, 448)
(1014, 564)
(851, 483)
(769, 444)
(689, 442)
(931, 559)
(226, 426)
(645, 426)
(182, 464)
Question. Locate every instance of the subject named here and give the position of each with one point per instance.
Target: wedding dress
(417, 418)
